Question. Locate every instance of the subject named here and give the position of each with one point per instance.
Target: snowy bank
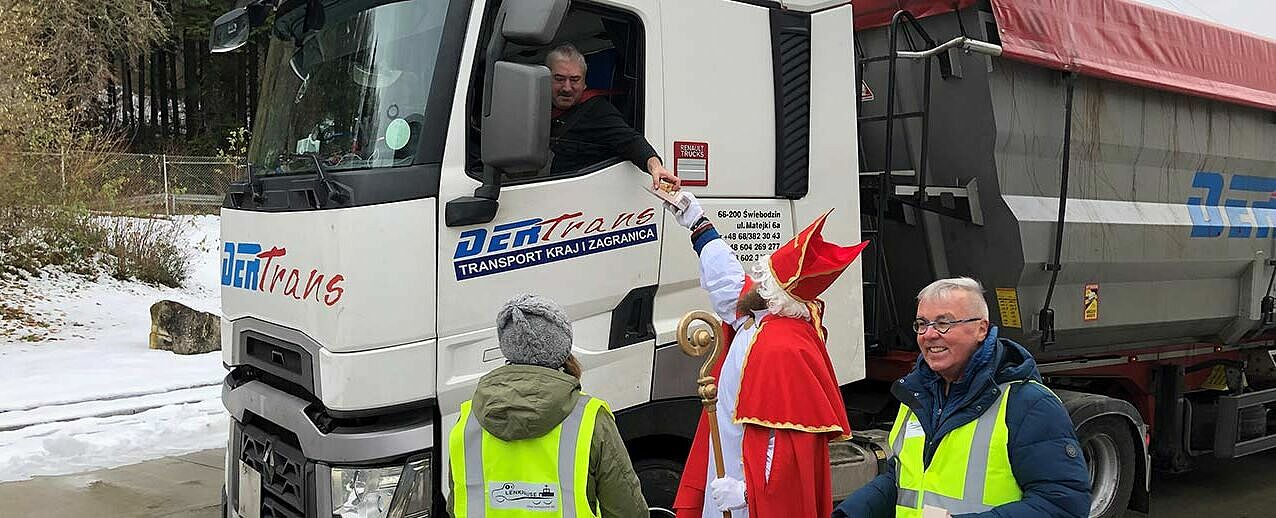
(90, 393)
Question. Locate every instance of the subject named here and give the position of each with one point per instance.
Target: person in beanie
(779, 403)
(530, 440)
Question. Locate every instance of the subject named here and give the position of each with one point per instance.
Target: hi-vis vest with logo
(543, 477)
(970, 472)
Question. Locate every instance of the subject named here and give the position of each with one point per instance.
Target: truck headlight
(386, 492)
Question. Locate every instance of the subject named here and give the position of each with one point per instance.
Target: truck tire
(1110, 456)
(659, 480)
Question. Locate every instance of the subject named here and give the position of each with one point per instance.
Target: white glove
(727, 494)
(690, 215)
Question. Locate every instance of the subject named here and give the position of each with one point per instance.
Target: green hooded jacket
(525, 401)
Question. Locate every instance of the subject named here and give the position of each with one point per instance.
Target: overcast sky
(1256, 16)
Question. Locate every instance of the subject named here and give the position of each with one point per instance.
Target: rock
(177, 328)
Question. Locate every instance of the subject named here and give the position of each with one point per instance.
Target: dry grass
(147, 250)
(143, 249)
(33, 237)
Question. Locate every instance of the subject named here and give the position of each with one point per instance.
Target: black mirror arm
(314, 16)
(491, 188)
(260, 10)
(495, 51)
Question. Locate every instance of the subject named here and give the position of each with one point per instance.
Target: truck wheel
(1109, 454)
(659, 480)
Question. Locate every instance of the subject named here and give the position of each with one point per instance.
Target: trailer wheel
(659, 478)
(1110, 457)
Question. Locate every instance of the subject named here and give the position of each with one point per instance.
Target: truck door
(588, 238)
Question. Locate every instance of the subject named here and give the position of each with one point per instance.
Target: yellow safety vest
(970, 471)
(543, 477)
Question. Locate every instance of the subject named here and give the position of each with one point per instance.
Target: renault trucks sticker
(691, 163)
(243, 268)
(536, 241)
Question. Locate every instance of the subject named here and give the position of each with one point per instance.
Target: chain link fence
(159, 184)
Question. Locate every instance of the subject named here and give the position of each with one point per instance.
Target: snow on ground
(90, 393)
(104, 442)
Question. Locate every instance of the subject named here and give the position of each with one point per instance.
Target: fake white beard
(778, 301)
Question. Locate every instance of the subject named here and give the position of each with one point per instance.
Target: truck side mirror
(231, 30)
(516, 131)
(533, 22)
(515, 138)
(516, 107)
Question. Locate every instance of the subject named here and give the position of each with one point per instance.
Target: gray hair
(971, 288)
(566, 52)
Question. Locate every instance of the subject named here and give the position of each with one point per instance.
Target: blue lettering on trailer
(1242, 218)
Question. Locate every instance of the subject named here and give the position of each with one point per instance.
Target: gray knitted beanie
(533, 330)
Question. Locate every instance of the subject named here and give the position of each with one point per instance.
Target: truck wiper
(251, 186)
(254, 182)
(327, 189)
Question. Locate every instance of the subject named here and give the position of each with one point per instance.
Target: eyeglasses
(943, 326)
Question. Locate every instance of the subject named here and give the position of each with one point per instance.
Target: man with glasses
(977, 434)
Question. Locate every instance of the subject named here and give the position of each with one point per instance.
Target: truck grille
(283, 472)
(273, 508)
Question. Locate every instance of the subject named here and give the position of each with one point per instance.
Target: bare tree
(56, 58)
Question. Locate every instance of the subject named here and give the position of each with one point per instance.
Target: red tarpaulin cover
(1120, 40)
(876, 13)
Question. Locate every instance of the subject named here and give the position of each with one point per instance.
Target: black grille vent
(272, 507)
(282, 469)
(791, 55)
(284, 360)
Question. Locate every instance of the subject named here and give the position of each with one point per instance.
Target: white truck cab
(400, 192)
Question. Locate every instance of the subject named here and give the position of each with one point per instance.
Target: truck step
(904, 173)
(903, 115)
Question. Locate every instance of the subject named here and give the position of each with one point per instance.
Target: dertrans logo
(1250, 207)
(243, 267)
(536, 241)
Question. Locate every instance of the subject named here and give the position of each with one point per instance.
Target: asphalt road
(1239, 488)
(189, 486)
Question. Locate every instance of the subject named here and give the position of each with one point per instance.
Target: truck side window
(598, 111)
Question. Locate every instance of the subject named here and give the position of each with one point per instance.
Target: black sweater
(591, 132)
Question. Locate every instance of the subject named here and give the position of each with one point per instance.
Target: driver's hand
(658, 173)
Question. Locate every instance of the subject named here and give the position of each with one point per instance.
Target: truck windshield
(353, 93)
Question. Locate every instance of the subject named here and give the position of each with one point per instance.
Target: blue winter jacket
(1044, 454)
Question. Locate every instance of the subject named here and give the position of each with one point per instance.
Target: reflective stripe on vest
(970, 471)
(542, 477)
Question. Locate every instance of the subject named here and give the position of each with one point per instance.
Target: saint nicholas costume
(779, 402)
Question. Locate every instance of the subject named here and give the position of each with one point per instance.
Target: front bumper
(274, 433)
